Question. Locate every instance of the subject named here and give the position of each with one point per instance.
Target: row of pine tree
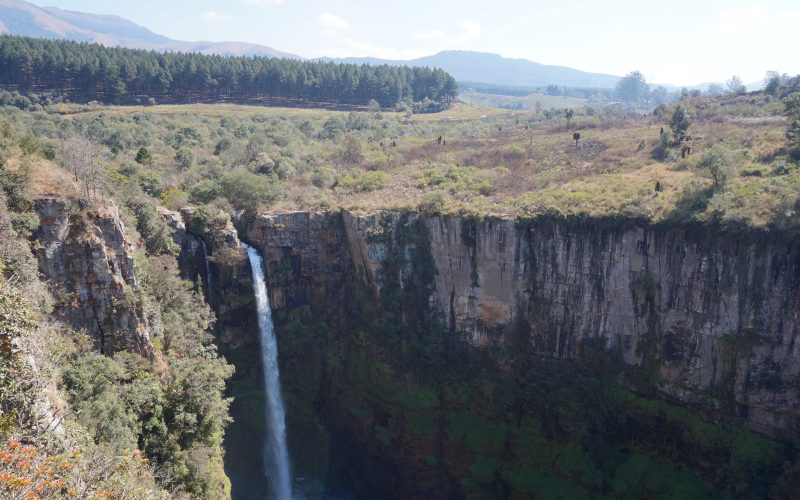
(85, 72)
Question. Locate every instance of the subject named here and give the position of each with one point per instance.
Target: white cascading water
(276, 451)
(208, 267)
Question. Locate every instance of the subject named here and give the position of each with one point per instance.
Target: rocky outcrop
(86, 257)
(213, 256)
(714, 317)
(307, 255)
(193, 261)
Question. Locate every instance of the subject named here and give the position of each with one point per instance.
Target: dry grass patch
(462, 111)
(193, 110)
(630, 193)
(46, 178)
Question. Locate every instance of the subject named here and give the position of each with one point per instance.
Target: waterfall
(208, 268)
(275, 451)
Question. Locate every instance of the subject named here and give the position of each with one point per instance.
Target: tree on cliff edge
(792, 111)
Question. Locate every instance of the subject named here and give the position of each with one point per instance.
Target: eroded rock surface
(85, 255)
(216, 259)
(715, 316)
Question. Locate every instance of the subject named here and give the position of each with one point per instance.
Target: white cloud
(470, 29)
(215, 16)
(263, 2)
(430, 34)
(332, 24)
(351, 47)
(467, 30)
(738, 21)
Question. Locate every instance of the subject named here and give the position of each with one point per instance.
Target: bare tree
(81, 156)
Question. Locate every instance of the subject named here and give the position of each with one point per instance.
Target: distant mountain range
(18, 17)
(467, 66)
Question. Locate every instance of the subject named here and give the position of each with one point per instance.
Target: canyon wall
(713, 317)
(86, 257)
(223, 272)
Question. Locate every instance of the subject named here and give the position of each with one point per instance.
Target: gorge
(434, 356)
(445, 354)
(227, 277)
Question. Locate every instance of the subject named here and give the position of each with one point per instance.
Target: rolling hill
(468, 66)
(18, 17)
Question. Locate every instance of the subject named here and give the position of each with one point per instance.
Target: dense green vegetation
(84, 72)
(138, 426)
(34, 461)
(792, 111)
(176, 418)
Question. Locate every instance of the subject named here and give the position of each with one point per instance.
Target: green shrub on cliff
(109, 394)
(206, 218)
(195, 411)
(792, 112)
(719, 164)
(205, 191)
(16, 186)
(433, 202)
(175, 410)
(249, 192)
(17, 384)
(151, 226)
(360, 180)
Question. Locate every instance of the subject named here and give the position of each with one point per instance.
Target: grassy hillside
(489, 161)
(528, 102)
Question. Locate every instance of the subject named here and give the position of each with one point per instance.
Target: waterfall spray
(276, 451)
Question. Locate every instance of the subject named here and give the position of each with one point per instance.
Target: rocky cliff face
(713, 317)
(308, 258)
(84, 253)
(216, 259)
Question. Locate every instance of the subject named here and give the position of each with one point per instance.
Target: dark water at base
(318, 474)
(244, 459)
(318, 465)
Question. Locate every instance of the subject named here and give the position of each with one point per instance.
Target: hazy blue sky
(678, 41)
